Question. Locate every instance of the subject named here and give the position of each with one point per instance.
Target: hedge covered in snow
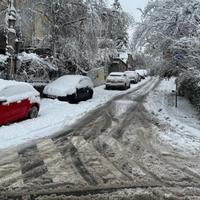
(189, 86)
(30, 68)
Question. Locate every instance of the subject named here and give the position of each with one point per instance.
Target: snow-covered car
(18, 101)
(142, 73)
(133, 76)
(71, 88)
(117, 80)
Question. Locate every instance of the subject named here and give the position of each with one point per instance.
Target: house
(117, 65)
(131, 63)
(127, 58)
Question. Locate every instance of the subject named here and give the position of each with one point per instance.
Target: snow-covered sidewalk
(183, 130)
(55, 116)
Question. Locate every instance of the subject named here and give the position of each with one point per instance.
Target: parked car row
(133, 76)
(20, 100)
(122, 80)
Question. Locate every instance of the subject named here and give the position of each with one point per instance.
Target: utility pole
(176, 99)
(11, 38)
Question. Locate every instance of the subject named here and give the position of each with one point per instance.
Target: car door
(16, 105)
(8, 108)
(23, 103)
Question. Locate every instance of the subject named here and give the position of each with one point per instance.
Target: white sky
(131, 6)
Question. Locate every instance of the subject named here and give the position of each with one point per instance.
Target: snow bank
(183, 131)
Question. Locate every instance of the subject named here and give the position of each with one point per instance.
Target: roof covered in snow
(124, 56)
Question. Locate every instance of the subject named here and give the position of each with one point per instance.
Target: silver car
(117, 80)
(133, 76)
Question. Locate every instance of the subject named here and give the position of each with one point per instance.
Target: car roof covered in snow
(6, 83)
(130, 72)
(15, 91)
(69, 79)
(67, 85)
(116, 74)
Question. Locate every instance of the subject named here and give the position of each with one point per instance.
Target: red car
(17, 101)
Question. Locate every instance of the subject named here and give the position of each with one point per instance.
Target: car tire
(74, 99)
(125, 87)
(90, 94)
(107, 87)
(33, 113)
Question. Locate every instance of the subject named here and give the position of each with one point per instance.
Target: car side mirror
(3, 100)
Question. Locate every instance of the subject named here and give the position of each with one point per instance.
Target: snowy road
(116, 152)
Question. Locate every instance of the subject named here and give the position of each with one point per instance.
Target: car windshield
(118, 75)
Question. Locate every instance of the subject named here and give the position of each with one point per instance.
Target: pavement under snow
(183, 125)
(55, 116)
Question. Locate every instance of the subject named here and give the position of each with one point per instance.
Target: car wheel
(90, 94)
(74, 98)
(125, 87)
(107, 87)
(33, 113)
(44, 95)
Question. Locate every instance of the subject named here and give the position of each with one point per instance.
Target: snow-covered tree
(119, 26)
(170, 30)
(33, 69)
(82, 34)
